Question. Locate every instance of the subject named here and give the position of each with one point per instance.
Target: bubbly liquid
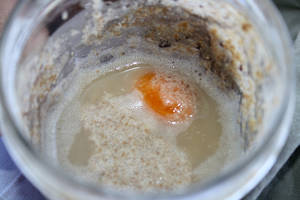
(146, 152)
(199, 141)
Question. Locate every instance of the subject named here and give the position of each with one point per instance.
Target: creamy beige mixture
(108, 134)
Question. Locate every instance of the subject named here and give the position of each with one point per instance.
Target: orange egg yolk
(167, 96)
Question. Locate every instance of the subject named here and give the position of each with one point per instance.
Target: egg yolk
(167, 95)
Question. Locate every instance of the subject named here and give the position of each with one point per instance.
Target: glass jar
(29, 29)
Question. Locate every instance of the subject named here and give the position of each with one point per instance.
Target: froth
(230, 143)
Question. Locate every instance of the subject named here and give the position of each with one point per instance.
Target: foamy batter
(105, 132)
